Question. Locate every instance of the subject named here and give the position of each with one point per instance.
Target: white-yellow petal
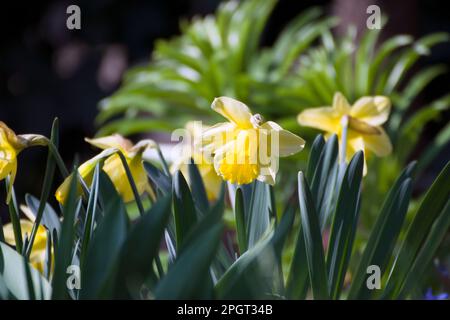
(340, 104)
(288, 143)
(323, 118)
(234, 110)
(112, 141)
(372, 110)
(380, 144)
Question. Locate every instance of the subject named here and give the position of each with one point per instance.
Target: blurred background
(48, 71)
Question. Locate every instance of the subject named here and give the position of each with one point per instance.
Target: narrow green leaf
(63, 256)
(343, 228)
(434, 238)
(185, 215)
(324, 180)
(239, 214)
(105, 245)
(189, 276)
(258, 218)
(46, 186)
(314, 155)
(15, 280)
(385, 232)
(162, 181)
(198, 188)
(433, 203)
(140, 249)
(313, 240)
(14, 217)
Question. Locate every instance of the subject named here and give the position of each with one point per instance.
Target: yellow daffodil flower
(38, 252)
(363, 119)
(246, 148)
(113, 166)
(10, 146)
(191, 150)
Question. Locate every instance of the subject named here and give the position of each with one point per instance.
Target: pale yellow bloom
(246, 148)
(364, 120)
(38, 252)
(113, 166)
(192, 150)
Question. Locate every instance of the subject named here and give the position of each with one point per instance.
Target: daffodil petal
(379, 144)
(234, 110)
(267, 178)
(323, 118)
(372, 110)
(112, 141)
(340, 104)
(288, 143)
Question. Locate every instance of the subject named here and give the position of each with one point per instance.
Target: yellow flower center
(240, 163)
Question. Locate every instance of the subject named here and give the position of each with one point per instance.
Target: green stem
(343, 146)
(59, 161)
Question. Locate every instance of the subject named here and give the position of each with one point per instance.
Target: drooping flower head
(10, 146)
(364, 120)
(246, 148)
(113, 166)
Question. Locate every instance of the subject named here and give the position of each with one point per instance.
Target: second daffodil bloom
(38, 252)
(246, 148)
(113, 166)
(190, 149)
(363, 120)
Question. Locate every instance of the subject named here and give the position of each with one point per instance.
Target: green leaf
(324, 180)
(387, 228)
(298, 278)
(91, 213)
(313, 240)
(239, 213)
(64, 248)
(14, 216)
(314, 155)
(50, 219)
(198, 188)
(162, 181)
(343, 228)
(258, 218)
(141, 248)
(14, 278)
(189, 276)
(46, 186)
(433, 203)
(433, 239)
(104, 248)
(185, 215)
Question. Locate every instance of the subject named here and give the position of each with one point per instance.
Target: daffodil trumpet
(246, 148)
(122, 162)
(358, 127)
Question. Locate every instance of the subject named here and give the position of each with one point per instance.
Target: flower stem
(343, 146)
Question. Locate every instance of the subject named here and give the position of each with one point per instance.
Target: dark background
(48, 71)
